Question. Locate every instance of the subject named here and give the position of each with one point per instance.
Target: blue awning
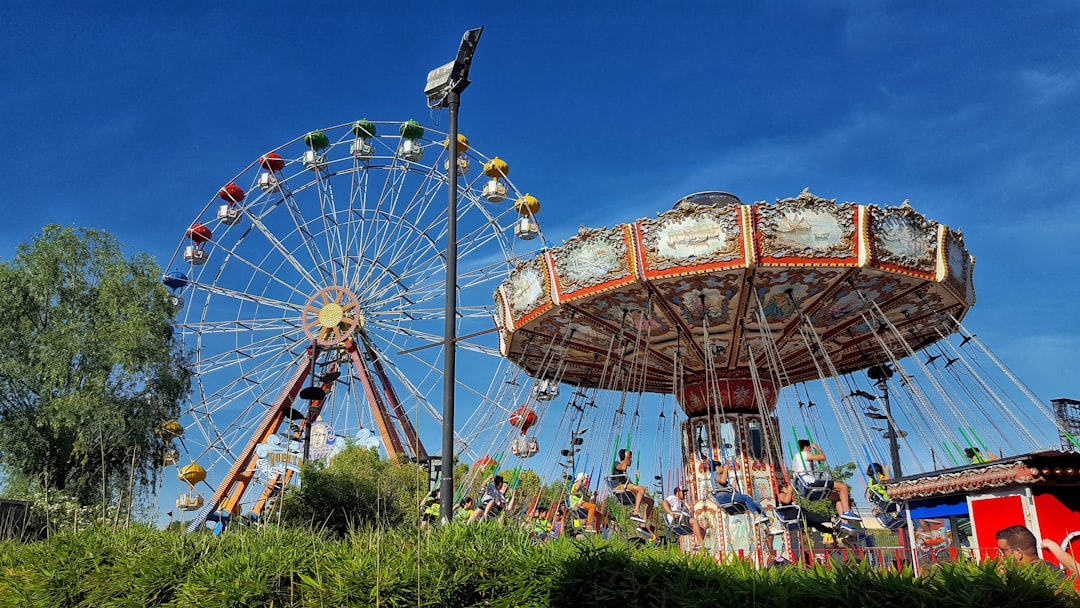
(938, 507)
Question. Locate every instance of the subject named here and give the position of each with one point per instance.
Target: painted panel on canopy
(959, 266)
(807, 285)
(902, 240)
(640, 324)
(593, 261)
(691, 240)
(853, 347)
(848, 299)
(806, 231)
(693, 298)
(527, 290)
(586, 330)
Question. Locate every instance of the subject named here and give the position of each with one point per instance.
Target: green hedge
(480, 565)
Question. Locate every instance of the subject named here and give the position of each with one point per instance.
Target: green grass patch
(458, 566)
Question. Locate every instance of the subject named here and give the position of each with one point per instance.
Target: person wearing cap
(579, 493)
(674, 508)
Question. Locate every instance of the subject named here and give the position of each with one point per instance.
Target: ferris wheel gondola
(314, 283)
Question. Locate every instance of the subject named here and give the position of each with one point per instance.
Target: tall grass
(479, 565)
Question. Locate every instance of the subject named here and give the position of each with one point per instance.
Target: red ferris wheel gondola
(522, 418)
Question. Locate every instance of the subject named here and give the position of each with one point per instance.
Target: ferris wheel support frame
(391, 441)
(243, 469)
(232, 488)
(407, 429)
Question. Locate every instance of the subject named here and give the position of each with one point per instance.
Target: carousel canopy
(716, 285)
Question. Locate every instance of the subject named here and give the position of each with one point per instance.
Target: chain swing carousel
(723, 305)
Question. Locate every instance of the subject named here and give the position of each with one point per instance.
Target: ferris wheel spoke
(307, 239)
(428, 338)
(238, 325)
(379, 238)
(258, 222)
(243, 296)
(350, 242)
(241, 357)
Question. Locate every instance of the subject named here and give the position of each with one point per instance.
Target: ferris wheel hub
(332, 315)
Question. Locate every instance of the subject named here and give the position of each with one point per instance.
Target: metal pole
(894, 441)
(446, 488)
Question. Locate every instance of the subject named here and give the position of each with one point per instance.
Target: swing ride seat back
(618, 490)
(816, 488)
(891, 522)
(881, 503)
(578, 512)
(889, 513)
(680, 525)
(725, 499)
(790, 516)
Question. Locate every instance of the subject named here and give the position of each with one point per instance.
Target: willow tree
(89, 368)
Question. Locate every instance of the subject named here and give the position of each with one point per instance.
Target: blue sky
(129, 116)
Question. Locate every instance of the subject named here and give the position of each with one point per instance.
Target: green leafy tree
(89, 367)
(356, 489)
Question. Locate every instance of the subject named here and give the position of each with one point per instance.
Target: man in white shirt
(803, 465)
(674, 508)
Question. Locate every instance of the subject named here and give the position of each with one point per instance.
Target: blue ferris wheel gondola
(174, 280)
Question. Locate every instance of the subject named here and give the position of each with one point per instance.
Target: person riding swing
(620, 482)
(733, 502)
(816, 486)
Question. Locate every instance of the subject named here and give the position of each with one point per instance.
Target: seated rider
(803, 465)
(431, 509)
(463, 510)
(579, 494)
(877, 475)
(975, 456)
(494, 499)
(785, 496)
(726, 493)
(620, 480)
(674, 508)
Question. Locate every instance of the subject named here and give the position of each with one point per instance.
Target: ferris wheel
(311, 303)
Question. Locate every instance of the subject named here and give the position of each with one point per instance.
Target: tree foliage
(357, 489)
(89, 368)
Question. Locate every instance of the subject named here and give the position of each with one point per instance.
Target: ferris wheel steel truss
(328, 255)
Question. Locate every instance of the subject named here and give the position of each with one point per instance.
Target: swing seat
(889, 513)
(680, 525)
(578, 512)
(725, 499)
(818, 489)
(880, 501)
(891, 522)
(790, 516)
(618, 490)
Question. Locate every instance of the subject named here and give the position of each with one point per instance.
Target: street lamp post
(444, 87)
(881, 374)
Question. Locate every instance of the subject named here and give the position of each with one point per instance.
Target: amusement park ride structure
(308, 305)
(731, 308)
(307, 301)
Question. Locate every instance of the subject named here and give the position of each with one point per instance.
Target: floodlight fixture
(452, 76)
